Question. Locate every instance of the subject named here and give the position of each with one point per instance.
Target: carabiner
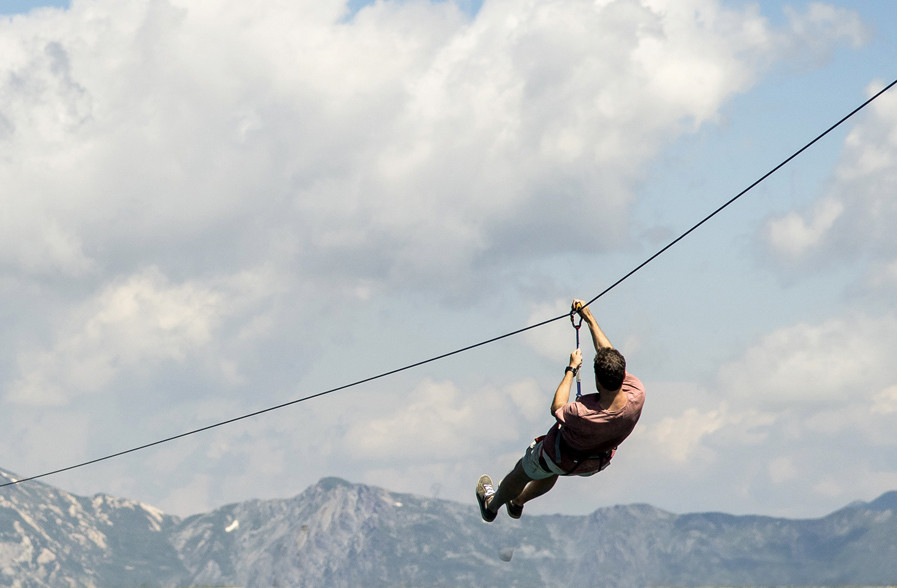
(574, 311)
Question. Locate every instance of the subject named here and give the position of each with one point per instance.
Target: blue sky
(213, 211)
(24, 6)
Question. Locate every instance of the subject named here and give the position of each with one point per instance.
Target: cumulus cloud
(553, 342)
(129, 328)
(799, 400)
(813, 365)
(440, 422)
(816, 26)
(440, 143)
(794, 235)
(679, 436)
(782, 469)
(885, 401)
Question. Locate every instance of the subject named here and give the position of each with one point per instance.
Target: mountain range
(336, 534)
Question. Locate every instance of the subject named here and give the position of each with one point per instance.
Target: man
(585, 436)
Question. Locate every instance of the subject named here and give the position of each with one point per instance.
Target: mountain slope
(52, 538)
(341, 534)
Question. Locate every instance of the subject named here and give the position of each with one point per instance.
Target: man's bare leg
(534, 489)
(519, 488)
(509, 488)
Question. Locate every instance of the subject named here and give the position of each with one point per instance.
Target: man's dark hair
(610, 368)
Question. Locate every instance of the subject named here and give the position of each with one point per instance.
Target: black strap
(579, 457)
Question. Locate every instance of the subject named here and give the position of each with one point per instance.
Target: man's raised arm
(562, 394)
(599, 339)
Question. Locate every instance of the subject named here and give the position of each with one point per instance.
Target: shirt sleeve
(569, 409)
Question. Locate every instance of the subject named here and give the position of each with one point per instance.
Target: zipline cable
(475, 345)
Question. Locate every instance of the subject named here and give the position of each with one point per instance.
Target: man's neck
(611, 400)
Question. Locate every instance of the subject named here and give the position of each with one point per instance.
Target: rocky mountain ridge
(340, 534)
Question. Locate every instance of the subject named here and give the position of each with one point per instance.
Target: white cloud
(439, 422)
(405, 142)
(190, 496)
(42, 439)
(679, 437)
(793, 235)
(817, 26)
(883, 276)
(555, 341)
(885, 401)
(782, 470)
(528, 399)
(132, 326)
(811, 366)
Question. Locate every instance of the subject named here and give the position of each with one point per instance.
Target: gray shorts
(533, 468)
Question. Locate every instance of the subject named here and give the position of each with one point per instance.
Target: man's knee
(520, 471)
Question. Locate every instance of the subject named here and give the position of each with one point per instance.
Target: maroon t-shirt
(586, 428)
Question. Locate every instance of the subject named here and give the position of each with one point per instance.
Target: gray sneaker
(485, 491)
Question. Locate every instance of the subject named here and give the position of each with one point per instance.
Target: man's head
(610, 368)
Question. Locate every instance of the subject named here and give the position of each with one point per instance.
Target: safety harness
(562, 450)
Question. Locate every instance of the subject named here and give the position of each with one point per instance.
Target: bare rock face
(52, 538)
